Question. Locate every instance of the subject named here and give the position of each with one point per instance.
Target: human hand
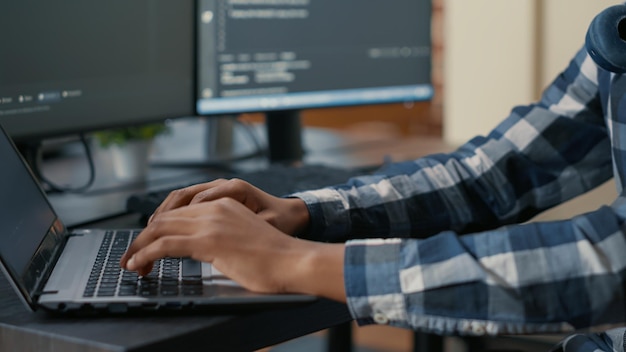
(241, 245)
(289, 215)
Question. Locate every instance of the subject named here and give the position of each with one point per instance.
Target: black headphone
(606, 39)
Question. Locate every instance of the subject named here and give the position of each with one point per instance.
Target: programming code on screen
(282, 54)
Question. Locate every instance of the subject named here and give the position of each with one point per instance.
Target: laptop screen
(26, 217)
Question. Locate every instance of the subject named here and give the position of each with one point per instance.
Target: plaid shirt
(436, 244)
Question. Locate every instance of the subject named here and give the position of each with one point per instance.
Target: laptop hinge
(76, 233)
(39, 293)
(73, 235)
(45, 274)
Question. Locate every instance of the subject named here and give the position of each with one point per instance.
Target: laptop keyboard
(169, 276)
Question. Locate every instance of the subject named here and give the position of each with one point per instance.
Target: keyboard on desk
(277, 179)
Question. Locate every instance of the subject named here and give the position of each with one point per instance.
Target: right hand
(243, 246)
(289, 215)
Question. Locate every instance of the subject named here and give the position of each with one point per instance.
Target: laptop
(59, 270)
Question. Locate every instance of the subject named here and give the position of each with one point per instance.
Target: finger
(145, 270)
(162, 227)
(179, 223)
(232, 188)
(177, 198)
(181, 197)
(236, 189)
(168, 246)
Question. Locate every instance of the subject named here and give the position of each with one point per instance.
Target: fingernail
(150, 219)
(130, 264)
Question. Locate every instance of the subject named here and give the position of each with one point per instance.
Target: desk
(21, 330)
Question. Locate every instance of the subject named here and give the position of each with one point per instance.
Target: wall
(501, 53)
(489, 45)
(564, 34)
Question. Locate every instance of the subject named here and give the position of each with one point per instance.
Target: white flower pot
(131, 160)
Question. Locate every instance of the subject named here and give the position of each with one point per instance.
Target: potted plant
(130, 148)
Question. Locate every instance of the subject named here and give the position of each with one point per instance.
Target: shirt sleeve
(436, 244)
(541, 155)
(531, 278)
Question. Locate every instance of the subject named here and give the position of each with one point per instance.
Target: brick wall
(436, 114)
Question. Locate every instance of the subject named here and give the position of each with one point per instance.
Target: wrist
(299, 214)
(318, 270)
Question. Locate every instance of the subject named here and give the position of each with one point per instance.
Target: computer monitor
(76, 66)
(282, 56)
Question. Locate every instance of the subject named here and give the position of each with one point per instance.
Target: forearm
(468, 191)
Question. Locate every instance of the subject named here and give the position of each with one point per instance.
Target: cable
(53, 187)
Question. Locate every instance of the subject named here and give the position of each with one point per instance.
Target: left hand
(289, 215)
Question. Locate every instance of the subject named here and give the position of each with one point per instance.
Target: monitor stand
(199, 142)
(221, 144)
(219, 135)
(284, 135)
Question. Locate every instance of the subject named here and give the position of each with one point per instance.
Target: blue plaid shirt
(436, 244)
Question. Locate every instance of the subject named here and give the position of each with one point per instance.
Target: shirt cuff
(372, 282)
(330, 221)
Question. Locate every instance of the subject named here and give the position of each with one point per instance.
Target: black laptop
(59, 270)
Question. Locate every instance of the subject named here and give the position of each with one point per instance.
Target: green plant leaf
(119, 136)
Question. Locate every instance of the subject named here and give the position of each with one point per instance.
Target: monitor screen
(75, 66)
(266, 55)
